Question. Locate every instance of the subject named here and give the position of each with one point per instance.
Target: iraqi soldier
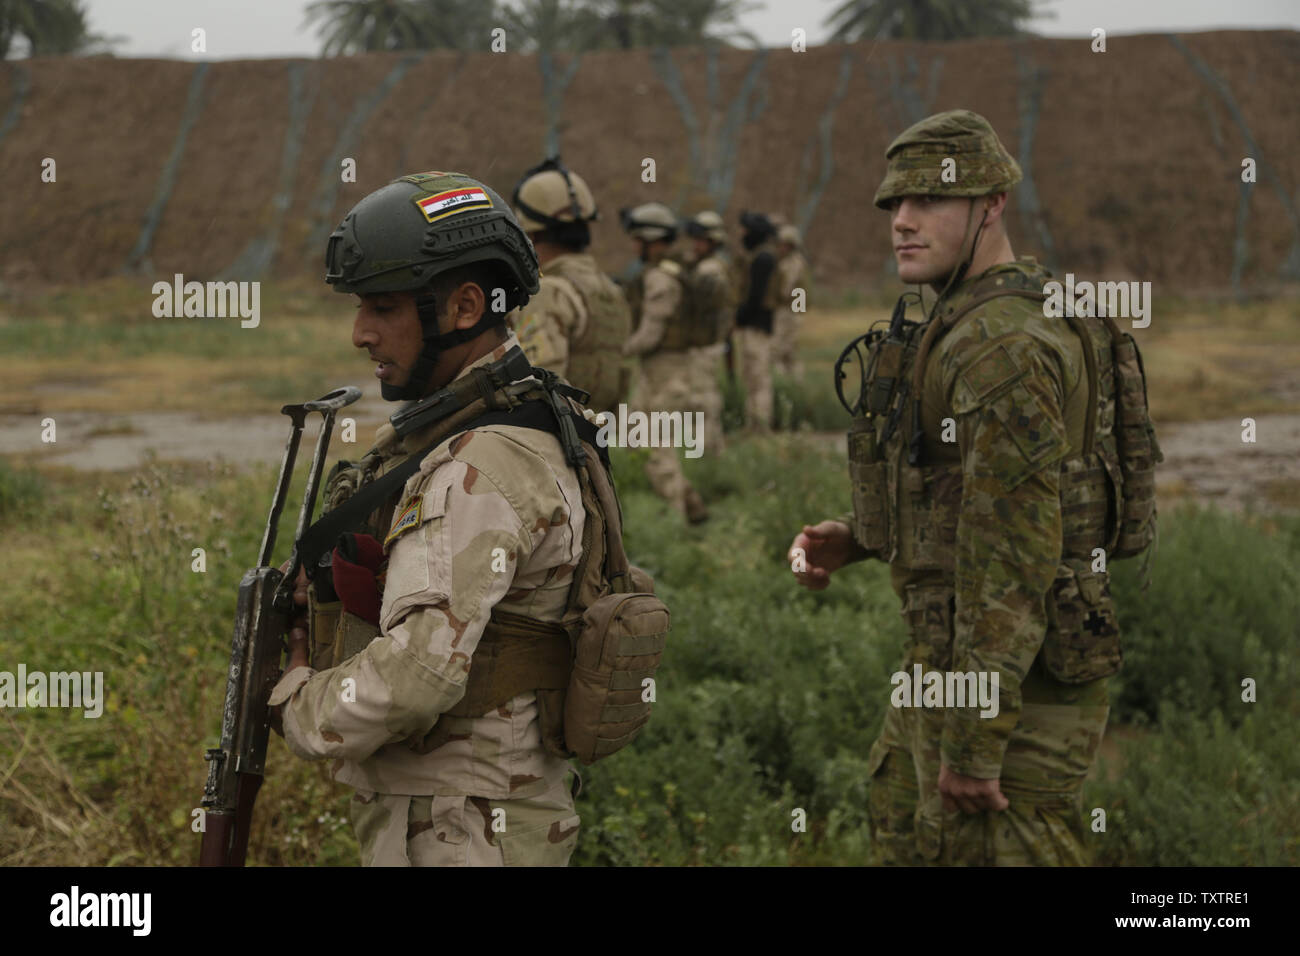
(453, 761)
(980, 454)
(661, 341)
(753, 336)
(715, 304)
(791, 276)
(577, 322)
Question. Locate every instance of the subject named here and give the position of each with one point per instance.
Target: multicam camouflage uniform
(990, 542)
(433, 789)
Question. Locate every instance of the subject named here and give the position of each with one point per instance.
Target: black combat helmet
(417, 227)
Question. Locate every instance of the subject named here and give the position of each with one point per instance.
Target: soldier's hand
(824, 549)
(299, 586)
(296, 640)
(969, 794)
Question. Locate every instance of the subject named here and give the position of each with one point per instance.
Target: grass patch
(769, 697)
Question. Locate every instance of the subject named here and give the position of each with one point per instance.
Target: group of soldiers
(998, 459)
(677, 319)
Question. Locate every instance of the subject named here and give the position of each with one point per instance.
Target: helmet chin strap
(435, 343)
(959, 273)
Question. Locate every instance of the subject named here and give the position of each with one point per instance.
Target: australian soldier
(577, 322)
(999, 458)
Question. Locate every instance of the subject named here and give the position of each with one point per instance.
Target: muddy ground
(1205, 461)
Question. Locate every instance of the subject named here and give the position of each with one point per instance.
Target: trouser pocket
(1082, 640)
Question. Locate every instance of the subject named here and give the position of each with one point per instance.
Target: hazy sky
(259, 28)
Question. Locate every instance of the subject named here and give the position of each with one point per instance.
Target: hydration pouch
(1082, 641)
(1138, 450)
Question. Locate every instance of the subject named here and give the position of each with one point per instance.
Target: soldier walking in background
(714, 308)
(577, 322)
(661, 341)
(757, 273)
(791, 274)
(983, 455)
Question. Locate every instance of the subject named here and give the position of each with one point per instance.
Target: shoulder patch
(984, 378)
(407, 519)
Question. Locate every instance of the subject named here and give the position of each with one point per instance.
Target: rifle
(262, 616)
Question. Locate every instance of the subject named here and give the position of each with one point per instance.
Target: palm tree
(636, 23)
(49, 27)
(551, 26)
(351, 26)
(688, 22)
(856, 20)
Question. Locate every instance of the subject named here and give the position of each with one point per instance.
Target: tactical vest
(677, 330)
(713, 301)
(906, 511)
(596, 363)
(587, 671)
(741, 276)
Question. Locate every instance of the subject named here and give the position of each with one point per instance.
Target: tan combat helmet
(707, 225)
(549, 194)
(649, 222)
(790, 235)
(915, 159)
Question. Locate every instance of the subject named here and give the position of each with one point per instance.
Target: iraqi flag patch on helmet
(448, 203)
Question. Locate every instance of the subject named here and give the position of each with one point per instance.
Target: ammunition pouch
(928, 508)
(335, 635)
(1082, 641)
(869, 480)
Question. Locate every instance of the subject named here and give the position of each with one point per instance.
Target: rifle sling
(531, 413)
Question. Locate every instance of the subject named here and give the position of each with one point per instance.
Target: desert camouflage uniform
(791, 274)
(706, 360)
(988, 541)
(426, 795)
(664, 377)
(575, 326)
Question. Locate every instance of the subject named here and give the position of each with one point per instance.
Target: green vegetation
(351, 26)
(855, 20)
(768, 700)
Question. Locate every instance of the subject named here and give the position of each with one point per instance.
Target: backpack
(1134, 432)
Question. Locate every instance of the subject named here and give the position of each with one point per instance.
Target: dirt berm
(1133, 157)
